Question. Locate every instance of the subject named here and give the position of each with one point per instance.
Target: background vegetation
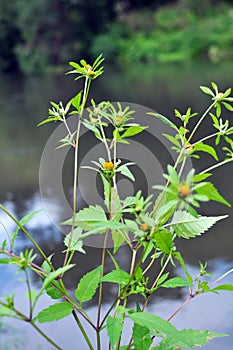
(39, 35)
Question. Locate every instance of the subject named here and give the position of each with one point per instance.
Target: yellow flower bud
(184, 191)
(108, 166)
(144, 227)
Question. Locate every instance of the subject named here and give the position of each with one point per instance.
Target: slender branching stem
(82, 330)
(216, 165)
(29, 294)
(28, 236)
(75, 175)
(205, 138)
(22, 317)
(200, 121)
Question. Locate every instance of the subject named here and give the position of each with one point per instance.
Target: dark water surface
(24, 103)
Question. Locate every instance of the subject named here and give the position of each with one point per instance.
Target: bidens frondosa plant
(149, 226)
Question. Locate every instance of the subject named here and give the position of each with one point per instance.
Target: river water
(24, 180)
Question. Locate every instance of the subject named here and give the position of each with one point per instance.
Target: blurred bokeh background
(157, 54)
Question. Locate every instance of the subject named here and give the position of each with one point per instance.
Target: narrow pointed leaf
(176, 282)
(164, 119)
(53, 275)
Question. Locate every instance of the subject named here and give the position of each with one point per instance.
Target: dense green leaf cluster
(150, 227)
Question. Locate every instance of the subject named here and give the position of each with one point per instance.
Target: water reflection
(23, 104)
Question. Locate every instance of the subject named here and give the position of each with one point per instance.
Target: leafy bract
(88, 284)
(187, 226)
(55, 312)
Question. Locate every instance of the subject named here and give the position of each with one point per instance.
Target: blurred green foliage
(171, 34)
(36, 36)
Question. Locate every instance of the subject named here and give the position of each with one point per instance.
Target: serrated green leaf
(212, 193)
(120, 277)
(187, 226)
(133, 130)
(189, 338)
(55, 312)
(152, 322)
(141, 338)
(118, 238)
(176, 282)
(76, 242)
(165, 211)
(88, 284)
(114, 328)
(87, 216)
(163, 239)
(53, 275)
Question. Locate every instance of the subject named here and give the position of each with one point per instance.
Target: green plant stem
(45, 336)
(216, 165)
(104, 140)
(8, 235)
(149, 266)
(221, 277)
(180, 307)
(205, 138)
(29, 294)
(157, 278)
(200, 121)
(28, 236)
(75, 175)
(103, 259)
(162, 271)
(182, 167)
(26, 319)
(82, 330)
(98, 340)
